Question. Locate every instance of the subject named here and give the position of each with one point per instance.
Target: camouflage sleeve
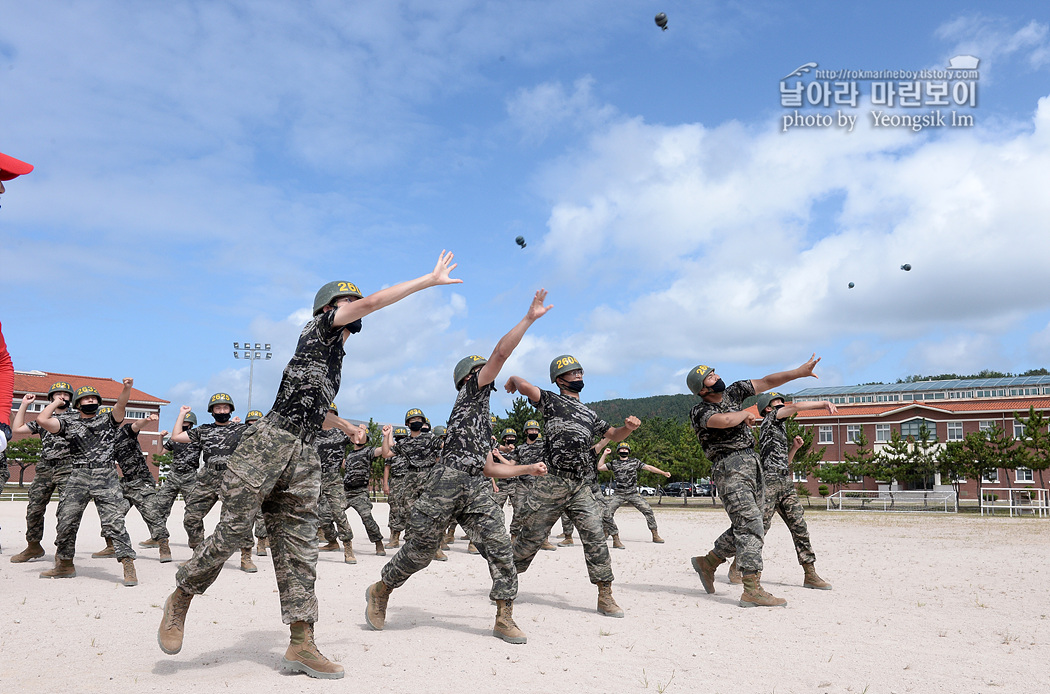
(700, 414)
(195, 436)
(169, 444)
(324, 325)
(34, 427)
(740, 391)
(601, 426)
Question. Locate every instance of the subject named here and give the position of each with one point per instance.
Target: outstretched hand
(443, 268)
(807, 368)
(537, 309)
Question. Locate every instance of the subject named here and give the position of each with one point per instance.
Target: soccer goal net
(908, 501)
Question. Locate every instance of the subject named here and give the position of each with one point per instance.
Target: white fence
(909, 501)
(1018, 502)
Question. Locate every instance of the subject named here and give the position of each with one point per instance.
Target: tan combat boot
(30, 553)
(173, 623)
(376, 596)
(380, 549)
(107, 552)
(735, 577)
(755, 595)
(395, 540)
(165, 551)
(130, 577)
(812, 580)
(471, 549)
(247, 565)
(567, 542)
(606, 605)
(332, 546)
(348, 554)
(302, 655)
(616, 542)
(705, 566)
(450, 538)
(150, 543)
(657, 539)
(63, 569)
(262, 546)
(440, 556)
(548, 546)
(505, 627)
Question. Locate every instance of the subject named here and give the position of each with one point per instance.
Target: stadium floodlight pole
(251, 354)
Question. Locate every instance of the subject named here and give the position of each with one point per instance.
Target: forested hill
(674, 407)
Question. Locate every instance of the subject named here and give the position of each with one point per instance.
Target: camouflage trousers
(358, 500)
(332, 508)
(634, 499)
(260, 526)
(452, 495)
(163, 500)
(545, 502)
(518, 492)
(83, 486)
(608, 526)
(782, 498)
(739, 480)
(206, 493)
(273, 471)
(398, 516)
(139, 492)
(49, 478)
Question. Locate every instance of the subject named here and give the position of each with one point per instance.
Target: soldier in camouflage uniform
(625, 476)
(136, 483)
(569, 429)
(597, 455)
(781, 495)
(395, 472)
(358, 473)
(276, 468)
(181, 477)
(331, 449)
(260, 525)
(457, 489)
(52, 470)
(217, 442)
(419, 451)
(505, 454)
(93, 478)
(528, 453)
(723, 427)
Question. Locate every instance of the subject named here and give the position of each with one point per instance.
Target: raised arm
(727, 420)
(140, 424)
(18, 424)
(793, 407)
(351, 311)
(517, 384)
(333, 421)
(508, 342)
(387, 449)
(47, 420)
(601, 461)
(796, 444)
(122, 401)
(620, 433)
(655, 470)
(778, 379)
(502, 470)
(178, 435)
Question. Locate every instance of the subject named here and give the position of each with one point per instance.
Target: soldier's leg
(790, 509)
(161, 503)
(743, 497)
(75, 498)
(430, 518)
(646, 510)
(542, 507)
(40, 491)
(395, 519)
(566, 525)
(112, 507)
(486, 522)
(360, 502)
(140, 493)
(612, 505)
(586, 515)
(333, 492)
(200, 500)
(517, 499)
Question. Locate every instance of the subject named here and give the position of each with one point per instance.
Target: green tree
(521, 412)
(1036, 441)
(954, 463)
(163, 463)
(809, 457)
(23, 453)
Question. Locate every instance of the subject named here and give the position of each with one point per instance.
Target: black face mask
(623, 454)
(187, 427)
(89, 409)
(416, 426)
(573, 386)
(776, 408)
(62, 404)
(221, 418)
(354, 327)
(719, 386)
(532, 437)
(509, 442)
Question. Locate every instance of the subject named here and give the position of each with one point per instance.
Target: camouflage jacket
(420, 452)
(468, 438)
(718, 443)
(331, 449)
(625, 473)
(569, 430)
(91, 440)
(359, 467)
(217, 442)
(128, 452)
(53, 448)
(773, 445)
(311, 379)
(185, 457)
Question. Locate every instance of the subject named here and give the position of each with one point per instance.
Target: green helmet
(333, 290)
(333, 408)
(508, 432)
(563, 365)
(60, 387)
(86, 390)
(221, 399)
(426, 424)
(414, 412)
(764, 399)
(400, 432)
(623, 446)
(464, 367)
(695, 380)
(105, 410)
(532, 424)
(440, 431)
(191, 418)
(250, 417)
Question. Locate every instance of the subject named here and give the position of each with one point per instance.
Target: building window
(1018, 430)
(799, 476)
(992, 477)
(882, 433)
(852, 433)
(913, 428)
(1024, 475)
(986, 425)
(955, 431)
(135, 414)
(825, 435)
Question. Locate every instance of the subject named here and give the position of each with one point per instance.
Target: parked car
(679, 489)
(607, 489)
(647, 491)
(705, 489)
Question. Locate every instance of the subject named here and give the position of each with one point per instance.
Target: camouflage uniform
(625, 474)
(399, 470)
(737, 472)
(420, 453)
(358, 470)
(331, 448)
(608, 527)
(181, 477)
(569, 429)
(456, 490)
(781, 496)
(5, 473)
(507, 487)
(217, 443)
(93, 478)
(137, 483)
(51, 474)
(527, 454)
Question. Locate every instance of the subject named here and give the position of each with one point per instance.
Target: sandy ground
(920, 604)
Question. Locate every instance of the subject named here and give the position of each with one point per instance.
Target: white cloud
(545, 107)
(989, 38)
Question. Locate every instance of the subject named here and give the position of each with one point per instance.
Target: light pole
(247, 352)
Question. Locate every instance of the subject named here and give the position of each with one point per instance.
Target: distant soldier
(625, 475)
(356, 477)
(570, 428)
(420, 451)
(528, 453)
(180, 478)
(52, 470)
(331, 449)
(723, 427)
(395, 471)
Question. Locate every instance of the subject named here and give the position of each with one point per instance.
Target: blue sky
(203, 167)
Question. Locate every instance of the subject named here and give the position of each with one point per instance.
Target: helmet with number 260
(563, 365)
(695, 380)
(333, 290)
